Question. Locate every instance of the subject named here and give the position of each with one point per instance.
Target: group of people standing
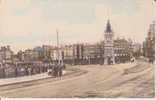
(25, 69)
(56, 70)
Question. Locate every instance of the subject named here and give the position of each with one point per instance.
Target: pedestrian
(2, 74)
(32, 70)
(49, 71)
(52, 69)
(26, 70)
(29, 70)
(16, 72)
(43, 67)
(64, 66)
(55, 71)
(46, 68)
(60, 70)
(39, 69)
(58, 67)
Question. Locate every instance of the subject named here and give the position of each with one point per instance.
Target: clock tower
(109, 45)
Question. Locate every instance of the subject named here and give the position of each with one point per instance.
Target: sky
(29, 23)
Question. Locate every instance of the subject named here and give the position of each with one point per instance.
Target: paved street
(121, 80)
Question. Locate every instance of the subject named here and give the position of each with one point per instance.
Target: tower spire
(108, 27)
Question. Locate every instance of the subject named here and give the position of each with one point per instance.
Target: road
(121, 80)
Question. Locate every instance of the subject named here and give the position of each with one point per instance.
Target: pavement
(7, 81)
(22, 79)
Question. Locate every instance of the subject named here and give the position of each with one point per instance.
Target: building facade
(39, 51)
(122, 50)
(149, 43)
(31, 55)
(137, 49)
(78, 50)
(6, 54)
(20, 55)
(68, 54)
(46, 50)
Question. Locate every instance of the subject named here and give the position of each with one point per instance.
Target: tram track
(136, 69)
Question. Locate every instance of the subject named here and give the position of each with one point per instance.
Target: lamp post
(59, 51)
(58, 55)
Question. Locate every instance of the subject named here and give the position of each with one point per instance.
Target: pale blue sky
(29, 23)
(75, 11)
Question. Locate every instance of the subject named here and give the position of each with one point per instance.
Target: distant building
(137, 49)
(38, 48)
(47, 52)
(20, 55)
(78, 51)
(68, 53)
(92, 53)
(6, 54)
(149, 43)
(91, 50)
(122, 50)
(39, 51)
(15, 58)
(109, 44)
(30, 55)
